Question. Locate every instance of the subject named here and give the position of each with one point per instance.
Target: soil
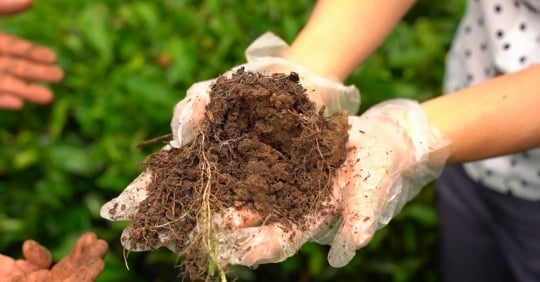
(263, 146)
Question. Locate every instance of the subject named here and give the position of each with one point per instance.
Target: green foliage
(127, 63)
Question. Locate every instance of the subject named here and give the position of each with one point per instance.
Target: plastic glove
(84, 263)
(263, 57)
(391, 159)
(22, 63)
(188, 116)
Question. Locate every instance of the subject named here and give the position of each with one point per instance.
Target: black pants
(485, 235)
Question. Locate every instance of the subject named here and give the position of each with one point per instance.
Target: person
(490, 211)
(21, 64)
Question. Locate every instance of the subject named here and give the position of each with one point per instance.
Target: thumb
(87, 272)
(189, 113)
(126, 204)
(363, 200)
(355, 232)
(9, 7)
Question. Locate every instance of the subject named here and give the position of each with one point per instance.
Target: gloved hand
(22, 63)
(394, 153)
(262, 56)
(84, 263)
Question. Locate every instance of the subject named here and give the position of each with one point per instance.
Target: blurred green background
(127, 63)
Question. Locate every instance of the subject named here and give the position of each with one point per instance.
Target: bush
(127, 63)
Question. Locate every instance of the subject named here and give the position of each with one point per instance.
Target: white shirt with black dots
(493, 37)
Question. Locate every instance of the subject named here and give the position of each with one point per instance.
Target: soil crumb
(263, 146)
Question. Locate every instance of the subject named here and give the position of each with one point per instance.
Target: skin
(481, 121)
(496, 117)
(23, 65)
(84, 263)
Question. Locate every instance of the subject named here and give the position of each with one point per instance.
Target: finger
(9, 7)
(13, 46)
(256, 245)
(87, 272)
(30, 70)
(89, 246)
(125, 206)
(25, 266)
(331, 221)
(372, 170)
(189, 113)
(10, 102)
(146, 245)
(17, 87)
(36, 254)
(269, 243)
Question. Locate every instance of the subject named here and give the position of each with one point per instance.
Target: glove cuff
(267, 49)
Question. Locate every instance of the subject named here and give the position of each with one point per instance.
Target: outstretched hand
(84, 263)
(10, 7)
(389, 161)
(189, 113)
(22, 64)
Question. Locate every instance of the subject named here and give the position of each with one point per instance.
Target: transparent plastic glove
(396, 153)
(126, 205)
(387, 166)
(263, 57)
(84, 263)
(272, 243)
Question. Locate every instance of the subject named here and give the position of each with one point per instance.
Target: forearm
(341, 34)
(496, 117)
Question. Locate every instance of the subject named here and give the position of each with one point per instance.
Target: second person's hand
(23, 65)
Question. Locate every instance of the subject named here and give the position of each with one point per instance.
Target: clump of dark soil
(263, 146)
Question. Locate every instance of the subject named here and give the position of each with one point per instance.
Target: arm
(341, 34)
(496, 117)
(486, 120)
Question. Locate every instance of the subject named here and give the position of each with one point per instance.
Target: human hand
(394, 153)
(10, 7)
(22, 63)
(84, 263)
(188, 117)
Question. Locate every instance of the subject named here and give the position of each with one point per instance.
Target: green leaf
(94, 28)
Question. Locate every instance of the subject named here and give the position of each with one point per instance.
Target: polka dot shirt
(496, 37)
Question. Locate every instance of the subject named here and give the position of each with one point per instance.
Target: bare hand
(84, 263)
(22, 63)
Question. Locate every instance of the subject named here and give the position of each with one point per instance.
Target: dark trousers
(485, 235)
